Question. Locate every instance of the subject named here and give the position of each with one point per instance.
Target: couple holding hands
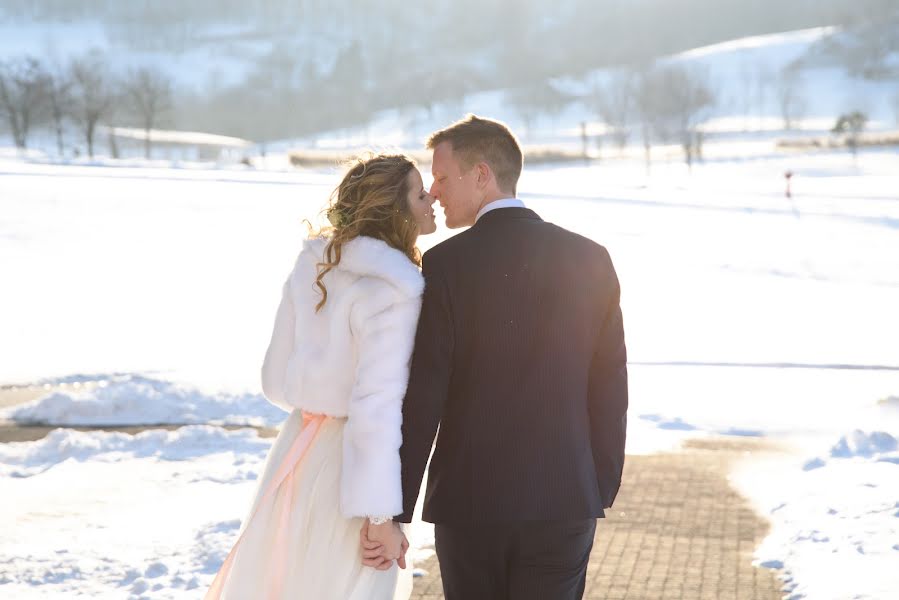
(504, 342)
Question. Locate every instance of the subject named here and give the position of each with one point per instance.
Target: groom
(520, 360)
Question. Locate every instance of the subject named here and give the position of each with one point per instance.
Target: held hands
(383, 544)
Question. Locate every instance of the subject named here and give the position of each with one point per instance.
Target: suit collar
(502, 214)
(501, 203)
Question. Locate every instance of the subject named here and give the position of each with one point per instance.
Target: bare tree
(522, 102)
(149, 94)
(691, 97)
(790, 97)
(673, 101)
(23, 98)
(614, 104)
(530, 101)
(647, 93)
(745, 95)
(92, 95)
(59, 102)
(761, 89)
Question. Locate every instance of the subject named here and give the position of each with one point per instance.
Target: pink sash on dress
(311, 425)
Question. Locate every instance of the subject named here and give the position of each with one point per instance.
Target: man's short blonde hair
(475, 140)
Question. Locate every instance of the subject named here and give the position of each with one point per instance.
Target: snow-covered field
(143, 293)
(146, 296)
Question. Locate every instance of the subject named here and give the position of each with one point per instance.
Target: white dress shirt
(503, 203)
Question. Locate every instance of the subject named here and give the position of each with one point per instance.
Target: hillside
(312, 66)
(745, 75)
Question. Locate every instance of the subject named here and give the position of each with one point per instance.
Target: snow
(170, 288)
(138, 400)
(112, 516)
(27, 459)
(151, 515)
(835, 518)
(205, 252)
(720, 274)
(796, 41)
(878, 444)
(176, 137)
(144, 293)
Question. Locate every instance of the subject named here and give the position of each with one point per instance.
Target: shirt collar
(502, 203)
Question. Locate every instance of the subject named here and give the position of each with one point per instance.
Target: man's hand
(371, 551)
(382, 544)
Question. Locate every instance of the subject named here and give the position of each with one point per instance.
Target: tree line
(314, 65)
(80, 95)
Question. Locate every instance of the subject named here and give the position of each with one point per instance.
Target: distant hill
(259, 68)
(749, 79)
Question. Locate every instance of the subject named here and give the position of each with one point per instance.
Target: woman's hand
(383, 544)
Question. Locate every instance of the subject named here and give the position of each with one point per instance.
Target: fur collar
(368, 256)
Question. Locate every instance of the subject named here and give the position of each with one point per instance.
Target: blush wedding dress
(341, 372)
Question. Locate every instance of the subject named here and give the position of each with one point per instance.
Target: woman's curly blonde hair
(370, 201)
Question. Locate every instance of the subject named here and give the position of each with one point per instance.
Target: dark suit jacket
(520, 360)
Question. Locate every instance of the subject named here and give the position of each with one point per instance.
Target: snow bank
(868, 445)
(110, 515)
(836, 515)
(26, 459)
(137, 400)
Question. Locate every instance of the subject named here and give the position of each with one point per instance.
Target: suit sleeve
(608, 394)
(274, 366)
(370, 478)
(428, 384)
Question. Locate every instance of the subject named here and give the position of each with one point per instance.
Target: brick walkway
(678, 532)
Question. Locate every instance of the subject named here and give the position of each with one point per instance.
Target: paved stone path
(678, 531)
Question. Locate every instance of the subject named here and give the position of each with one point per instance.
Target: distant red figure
(789, 176)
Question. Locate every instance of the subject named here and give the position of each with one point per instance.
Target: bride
(338, 360)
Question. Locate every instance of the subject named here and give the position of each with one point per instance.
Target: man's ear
(484, 174)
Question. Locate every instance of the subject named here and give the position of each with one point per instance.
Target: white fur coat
(351, 360)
